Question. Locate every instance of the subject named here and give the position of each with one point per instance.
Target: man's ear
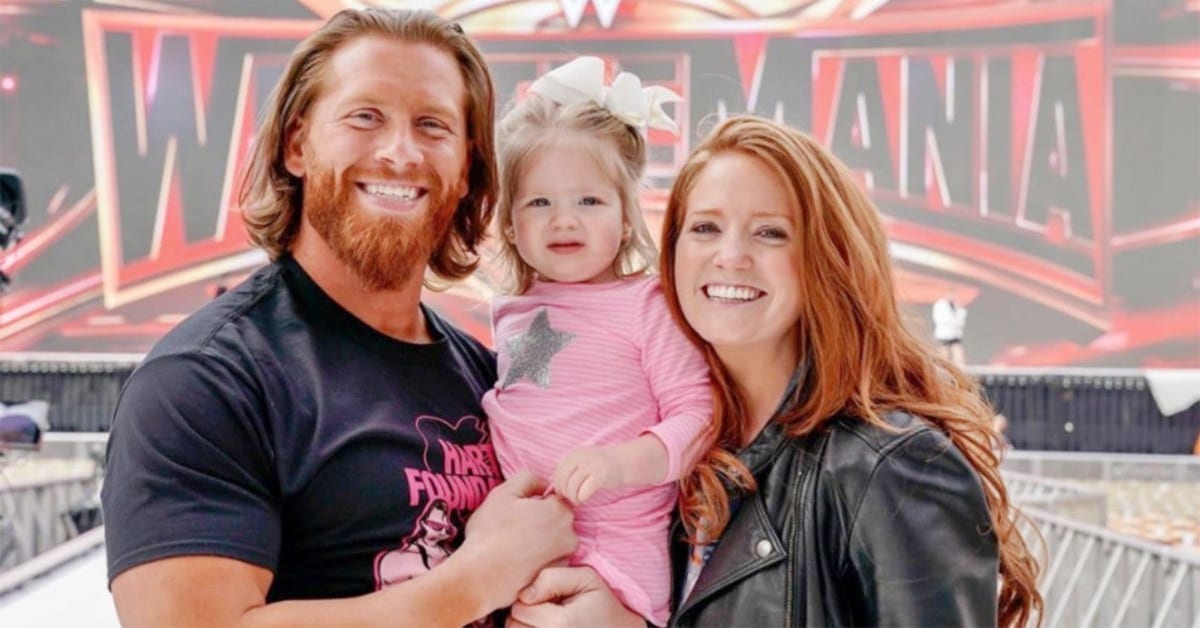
(464, 183)
(293, 151)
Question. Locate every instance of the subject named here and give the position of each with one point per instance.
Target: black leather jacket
(854, 525)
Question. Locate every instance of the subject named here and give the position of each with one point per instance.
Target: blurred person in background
(949, 323)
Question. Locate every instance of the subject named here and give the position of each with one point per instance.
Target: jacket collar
(766, 445)
(739, 551)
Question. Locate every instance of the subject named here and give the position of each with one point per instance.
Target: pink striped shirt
(598, 365)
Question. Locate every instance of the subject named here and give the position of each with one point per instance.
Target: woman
(853, 481)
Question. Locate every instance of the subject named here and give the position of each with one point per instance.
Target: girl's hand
(570, 596)
(586, 470)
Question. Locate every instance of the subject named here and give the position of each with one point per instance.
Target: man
(277, 446)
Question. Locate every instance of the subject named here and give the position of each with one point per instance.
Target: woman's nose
(732, 253)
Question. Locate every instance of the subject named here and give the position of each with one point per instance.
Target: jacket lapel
(740, 552)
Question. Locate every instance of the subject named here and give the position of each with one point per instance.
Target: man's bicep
(189, 591)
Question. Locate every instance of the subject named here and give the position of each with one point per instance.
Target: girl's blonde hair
(618, 149)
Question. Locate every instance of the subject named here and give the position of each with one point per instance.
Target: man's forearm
(452, 594)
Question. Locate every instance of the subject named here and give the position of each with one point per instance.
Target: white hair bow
(583, 80)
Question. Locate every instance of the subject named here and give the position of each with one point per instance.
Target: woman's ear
(510, 234)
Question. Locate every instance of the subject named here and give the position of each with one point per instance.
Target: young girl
(598, 389)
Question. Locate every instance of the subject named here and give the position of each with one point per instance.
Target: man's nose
(400, 148)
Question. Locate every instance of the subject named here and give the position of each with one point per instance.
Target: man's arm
(509, 539)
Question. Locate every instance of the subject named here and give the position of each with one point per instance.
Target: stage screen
(1041, 159)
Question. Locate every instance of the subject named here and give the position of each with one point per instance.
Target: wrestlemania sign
(984, 130)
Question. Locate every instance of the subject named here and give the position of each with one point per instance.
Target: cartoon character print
(426, 547)
(456, 470)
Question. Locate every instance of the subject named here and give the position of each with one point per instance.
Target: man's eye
(433, 124)
(365, 116)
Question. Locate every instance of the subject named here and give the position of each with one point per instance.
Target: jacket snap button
(763, 548)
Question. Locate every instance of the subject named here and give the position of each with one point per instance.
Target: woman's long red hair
(863, 361)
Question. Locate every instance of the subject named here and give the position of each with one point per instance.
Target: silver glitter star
(532, 350)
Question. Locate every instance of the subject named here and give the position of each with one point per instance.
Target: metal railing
(1104, 466)
(41, 511)
(1091, 575)
(1096, 577)
(37, 517)
(1060, 497)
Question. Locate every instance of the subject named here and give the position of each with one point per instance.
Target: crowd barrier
(1058, 497)
(1103, 466)
(1091, 576)
(1097, 576)
(1092, 410)
(1048, 410)
(82, 389)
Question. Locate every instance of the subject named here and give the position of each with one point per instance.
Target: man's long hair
(862, 360)
(272, 198)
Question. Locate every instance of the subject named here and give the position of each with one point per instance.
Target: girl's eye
(589, 201)
(538, 202)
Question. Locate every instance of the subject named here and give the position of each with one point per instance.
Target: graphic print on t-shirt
(532, 351)
(459, 469)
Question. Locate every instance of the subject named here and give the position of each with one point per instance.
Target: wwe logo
(606, 10)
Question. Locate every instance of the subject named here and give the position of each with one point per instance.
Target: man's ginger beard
(382, 250)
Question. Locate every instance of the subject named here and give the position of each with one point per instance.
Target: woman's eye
(703, 227)
(772, 233)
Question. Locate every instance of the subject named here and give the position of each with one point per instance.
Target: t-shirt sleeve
(189, 470)
(679, 379)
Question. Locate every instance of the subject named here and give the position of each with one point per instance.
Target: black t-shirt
(276, 428)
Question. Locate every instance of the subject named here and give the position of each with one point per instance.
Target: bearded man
(274, 448)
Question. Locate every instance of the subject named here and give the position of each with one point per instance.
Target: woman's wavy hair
(619, 151)
(863, 365)
(272, 199)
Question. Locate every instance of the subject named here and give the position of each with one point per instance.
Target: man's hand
(570, 596)
(586, 470)
(514, 534)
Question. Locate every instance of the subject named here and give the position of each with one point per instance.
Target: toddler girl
(598, 389)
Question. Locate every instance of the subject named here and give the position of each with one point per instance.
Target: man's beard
(382, 250)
